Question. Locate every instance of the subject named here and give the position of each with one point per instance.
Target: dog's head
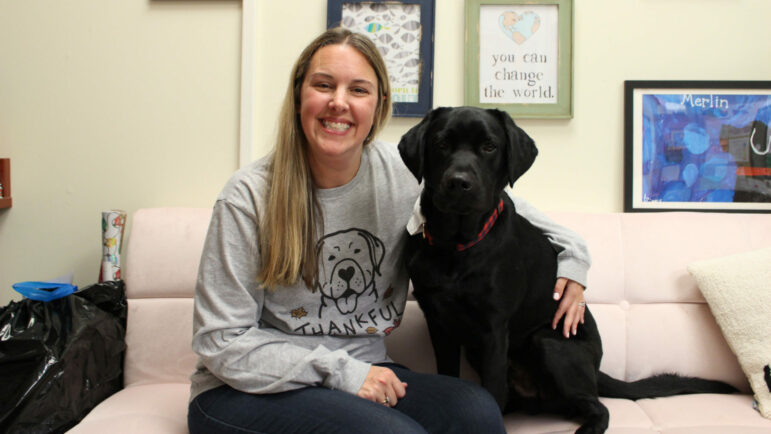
(466, 155)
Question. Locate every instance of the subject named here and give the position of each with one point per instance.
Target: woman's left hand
(572, 306)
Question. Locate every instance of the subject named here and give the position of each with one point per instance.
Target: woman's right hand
(382, 386)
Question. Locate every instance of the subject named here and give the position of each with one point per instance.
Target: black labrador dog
(484, 276)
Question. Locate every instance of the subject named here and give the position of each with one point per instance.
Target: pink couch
(652, 318)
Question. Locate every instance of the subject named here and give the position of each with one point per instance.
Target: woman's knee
(475, 408)
(199, 422)
(445, 404)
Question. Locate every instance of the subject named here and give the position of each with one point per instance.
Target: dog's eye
(489, 147)
(331, 258)
(357, 251)
(442, 145)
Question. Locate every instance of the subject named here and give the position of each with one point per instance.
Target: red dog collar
(488, 225)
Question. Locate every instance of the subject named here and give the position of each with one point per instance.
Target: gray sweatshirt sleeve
(227, 334)
(573, 260)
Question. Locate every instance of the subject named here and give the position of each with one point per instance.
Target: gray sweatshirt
(260, 341)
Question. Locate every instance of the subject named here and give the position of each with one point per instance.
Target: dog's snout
(346, 273)
(458, 182)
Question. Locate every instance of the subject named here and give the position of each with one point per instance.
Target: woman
(302, 277)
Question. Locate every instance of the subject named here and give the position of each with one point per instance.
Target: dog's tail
(659, 386)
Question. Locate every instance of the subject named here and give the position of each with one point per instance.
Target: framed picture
(519, 56)
(403, 31)
(697, 146)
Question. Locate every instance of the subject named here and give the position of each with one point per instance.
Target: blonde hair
(292, 215)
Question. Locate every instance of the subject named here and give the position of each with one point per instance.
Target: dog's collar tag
(485, 230)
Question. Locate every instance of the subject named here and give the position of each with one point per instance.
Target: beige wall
(135, 103)
(109, 104)
(580, 165)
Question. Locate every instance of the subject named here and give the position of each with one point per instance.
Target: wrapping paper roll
(113, 222)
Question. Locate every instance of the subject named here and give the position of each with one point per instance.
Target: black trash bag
(61, 358)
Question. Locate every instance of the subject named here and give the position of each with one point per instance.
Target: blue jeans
(433, 404)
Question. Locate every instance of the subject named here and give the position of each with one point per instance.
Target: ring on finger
(387, 401)
(581, 304)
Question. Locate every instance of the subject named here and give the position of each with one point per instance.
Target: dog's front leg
(494, 364)
(446, 349)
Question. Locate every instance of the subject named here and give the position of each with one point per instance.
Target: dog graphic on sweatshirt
(349, 260)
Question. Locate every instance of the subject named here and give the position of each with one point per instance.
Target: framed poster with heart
(519, 56)
(403, 31)
(697, 146)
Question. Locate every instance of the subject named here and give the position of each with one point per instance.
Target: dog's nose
(346, 273)
(458, 182)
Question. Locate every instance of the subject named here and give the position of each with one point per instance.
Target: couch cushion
(678, 337)
(643, 297)
(409, 344)
(163, 251)
(158, 341)
(603, 235)
(147, 409)
(695, 413)
(611, 321)
(626, 417)
(629, 263)
(659, 246)
(686, 414)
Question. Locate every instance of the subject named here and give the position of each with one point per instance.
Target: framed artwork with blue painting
(403, 31)
(697, 146)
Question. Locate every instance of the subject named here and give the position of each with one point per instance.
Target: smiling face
(338, 99)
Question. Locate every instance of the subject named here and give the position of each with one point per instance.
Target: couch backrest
(162, 254)
(651, 315)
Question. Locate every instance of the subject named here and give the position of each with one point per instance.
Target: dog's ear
(520, 148)
(412, 146)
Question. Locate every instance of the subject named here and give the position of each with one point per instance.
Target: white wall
(135, 103)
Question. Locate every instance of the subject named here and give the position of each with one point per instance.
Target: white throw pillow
(738, 291)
